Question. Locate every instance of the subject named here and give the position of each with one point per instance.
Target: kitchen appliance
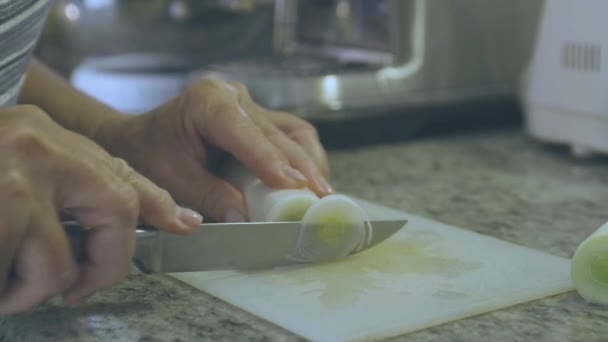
(428, 274)
(565, 93)
(336, 59)
(218, 246)
(135, 55)
(132, 83)
(193, 30)
(325, 60)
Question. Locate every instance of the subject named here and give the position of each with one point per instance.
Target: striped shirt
(21, 22)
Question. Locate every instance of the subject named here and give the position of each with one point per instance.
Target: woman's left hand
(178, 144)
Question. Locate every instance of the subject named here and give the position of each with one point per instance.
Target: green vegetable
(332, 226)
(590, 267)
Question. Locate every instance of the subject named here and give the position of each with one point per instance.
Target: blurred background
(352, 67)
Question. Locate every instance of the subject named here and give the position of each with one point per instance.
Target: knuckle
(124, 170)
(122, 167)
(15, 185)
(26, 141)
(127, 203)
(18, 116)
(218, 100)
(15, 190)
(304, 135)
(20, 119)
(296, 121)
(306, 128)
(164, 199)
(205, 86)
(198, 95)
(227, 117)
(238, 86)
(270, 131)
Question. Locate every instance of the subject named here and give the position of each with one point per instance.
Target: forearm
(66, 105)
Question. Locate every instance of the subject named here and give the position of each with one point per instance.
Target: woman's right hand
(46, 171)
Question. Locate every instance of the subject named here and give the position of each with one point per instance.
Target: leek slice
(332, 226)
(265, 204)
(589, 268)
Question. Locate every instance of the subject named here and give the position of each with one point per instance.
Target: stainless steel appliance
(325, 60)
(191, 32)
(344, 58)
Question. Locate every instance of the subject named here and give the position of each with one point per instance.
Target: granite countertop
(497, 182)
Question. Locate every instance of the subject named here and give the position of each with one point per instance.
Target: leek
(331, 227)
(589, 268)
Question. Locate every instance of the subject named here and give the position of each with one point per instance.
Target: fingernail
(323, 185)
(189, 217)
(233, 215)
(294, 174)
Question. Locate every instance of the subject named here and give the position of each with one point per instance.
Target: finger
(303, 133)
(157, 207)
(44, 265)
(226, 125)
(216, 198)
(298, 158)
(308, 139)
(112, 215)
(313, 148)
(15, 196)
(297, 129)
(109, 252)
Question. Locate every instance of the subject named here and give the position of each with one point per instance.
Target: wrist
(97, 122)
(111, 133)
(67, 106)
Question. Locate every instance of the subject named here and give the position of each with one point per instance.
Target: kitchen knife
(223, 246)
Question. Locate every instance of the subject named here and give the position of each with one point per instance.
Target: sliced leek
(332, 226)
(265, 204)
(590, 267)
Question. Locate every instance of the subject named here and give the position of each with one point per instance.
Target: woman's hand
(177, 145)
(46, 171)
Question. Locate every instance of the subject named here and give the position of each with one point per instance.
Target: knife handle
(77, 237)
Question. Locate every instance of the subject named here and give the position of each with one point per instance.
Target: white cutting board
(427, 274)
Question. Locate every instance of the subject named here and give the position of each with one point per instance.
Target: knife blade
(224, 246)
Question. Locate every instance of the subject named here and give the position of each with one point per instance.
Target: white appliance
(566, 93)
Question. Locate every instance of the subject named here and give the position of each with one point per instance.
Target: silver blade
(221, 246)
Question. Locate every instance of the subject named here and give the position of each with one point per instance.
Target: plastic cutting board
(427, 274)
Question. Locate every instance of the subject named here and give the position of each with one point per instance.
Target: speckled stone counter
(497, 182)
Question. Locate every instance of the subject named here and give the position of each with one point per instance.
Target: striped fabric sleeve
(21, 22)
